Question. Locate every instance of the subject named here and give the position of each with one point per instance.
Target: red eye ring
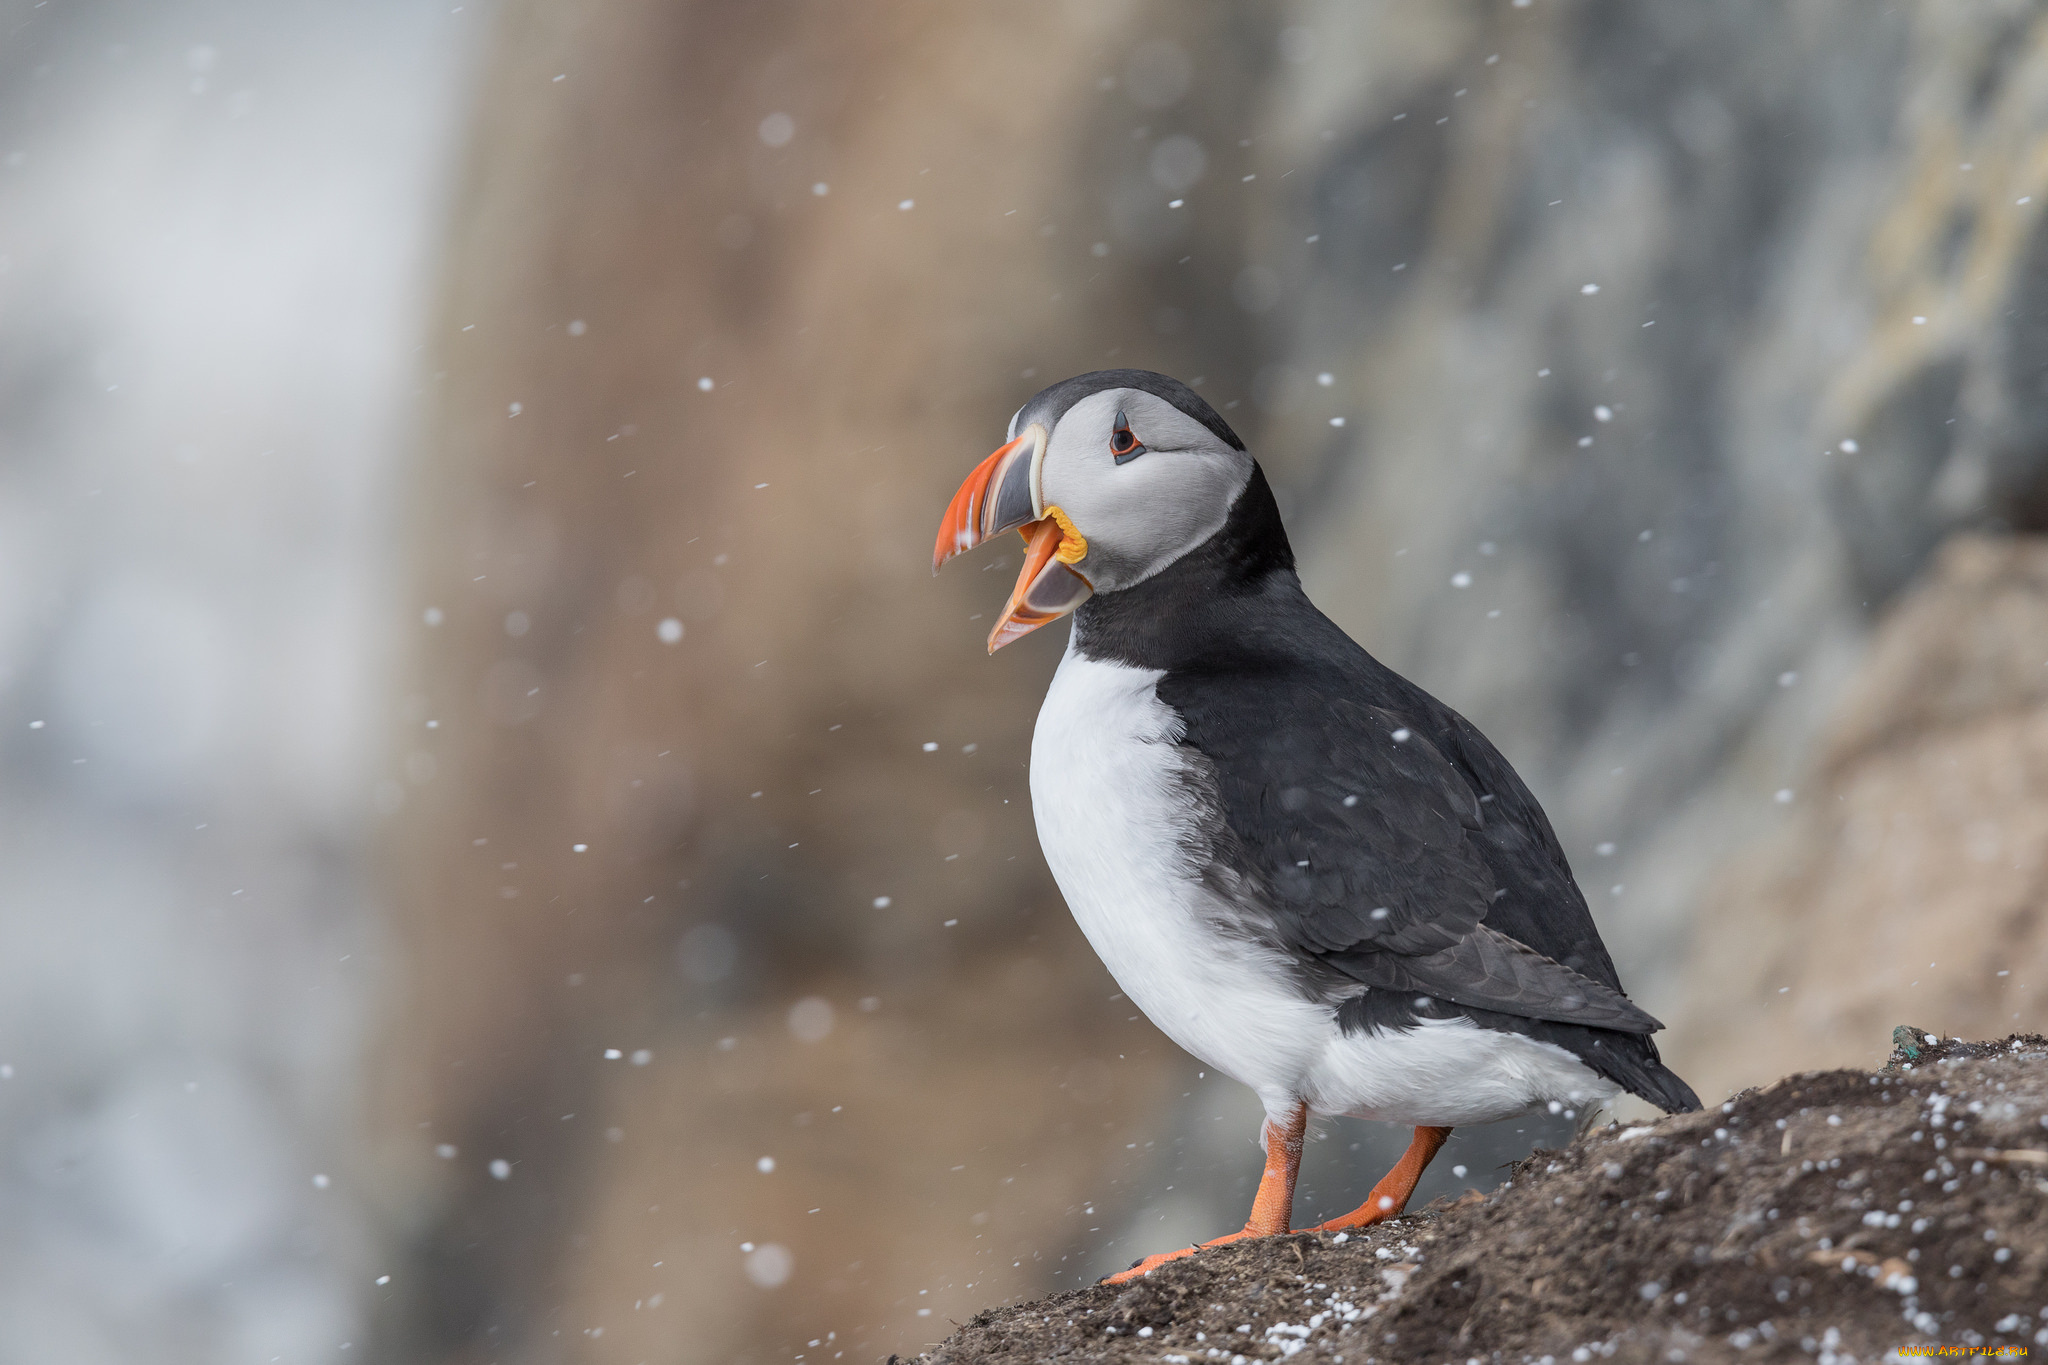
(1123, 442)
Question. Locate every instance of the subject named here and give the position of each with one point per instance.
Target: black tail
(1630, 1060)
(1642, 1072)
(1661, 1086)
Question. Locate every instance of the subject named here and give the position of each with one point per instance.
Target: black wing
(1391, 842)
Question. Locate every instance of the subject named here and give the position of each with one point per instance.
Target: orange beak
(1003, 494)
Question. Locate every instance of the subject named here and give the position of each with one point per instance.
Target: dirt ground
(1838, 1215)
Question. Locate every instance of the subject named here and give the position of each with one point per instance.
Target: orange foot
(1391, 1195)
(1271, 1206)
(1151, 1263)
(1375, 1210)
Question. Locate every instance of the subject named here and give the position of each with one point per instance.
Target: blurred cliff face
(1909, 886)
(1617, 366)
(722, 782)
(215, 224)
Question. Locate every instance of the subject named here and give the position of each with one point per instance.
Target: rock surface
(1838, 1214)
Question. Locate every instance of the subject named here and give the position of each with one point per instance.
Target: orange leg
(1272, 1207)
(1391, 1195)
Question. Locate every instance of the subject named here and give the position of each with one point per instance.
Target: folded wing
(1357, 813)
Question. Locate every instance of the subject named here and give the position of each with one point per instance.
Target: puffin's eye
(1123, 442)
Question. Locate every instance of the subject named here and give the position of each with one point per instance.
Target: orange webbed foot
(1272, 1205)
(1391, 1195)
(1377, 1210)
(1152, 1263)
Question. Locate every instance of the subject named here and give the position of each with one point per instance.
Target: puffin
(1307, 871)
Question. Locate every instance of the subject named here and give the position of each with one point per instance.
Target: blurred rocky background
(514, 858)
(217, 224)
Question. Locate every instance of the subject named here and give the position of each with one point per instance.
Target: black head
(1050, 403)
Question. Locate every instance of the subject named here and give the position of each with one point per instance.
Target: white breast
(1110, 793)
(1117, 818)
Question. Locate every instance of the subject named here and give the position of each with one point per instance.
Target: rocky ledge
(1836, 1215)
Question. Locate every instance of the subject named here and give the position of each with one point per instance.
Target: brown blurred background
(516, 859)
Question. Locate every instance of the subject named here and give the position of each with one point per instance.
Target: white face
(1141, 515)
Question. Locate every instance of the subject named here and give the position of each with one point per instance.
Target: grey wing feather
(1359, 834)
(1364, 844)
(1489, 970)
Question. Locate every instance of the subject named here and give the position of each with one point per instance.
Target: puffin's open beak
(1004, 494)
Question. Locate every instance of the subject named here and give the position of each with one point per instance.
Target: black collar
(1217, 601)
